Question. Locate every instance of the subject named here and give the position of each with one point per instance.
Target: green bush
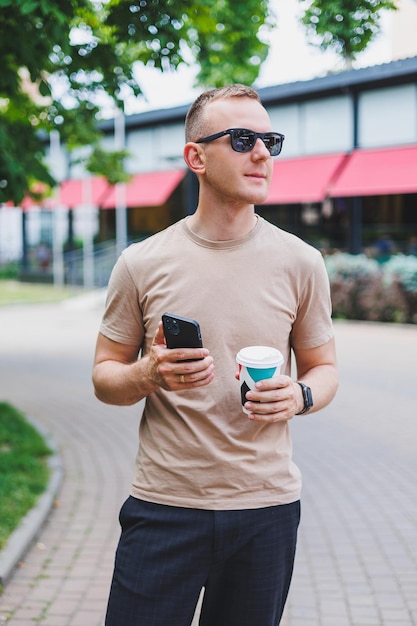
(402, 269)
(9, 271)
(363, 289)
(401, 272)
(24, 471)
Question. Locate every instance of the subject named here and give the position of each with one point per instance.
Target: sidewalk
(357, 559)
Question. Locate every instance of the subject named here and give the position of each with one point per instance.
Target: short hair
(194, 121)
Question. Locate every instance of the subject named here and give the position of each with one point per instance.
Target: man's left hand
(274, 400)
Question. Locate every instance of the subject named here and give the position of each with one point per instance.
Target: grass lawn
(24, 471)
(16, 292)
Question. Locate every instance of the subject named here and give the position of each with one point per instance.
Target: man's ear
(194, 156)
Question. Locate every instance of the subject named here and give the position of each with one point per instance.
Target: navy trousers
(166, 555)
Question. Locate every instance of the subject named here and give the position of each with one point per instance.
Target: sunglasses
(244, 140)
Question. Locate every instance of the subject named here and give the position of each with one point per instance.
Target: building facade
(347, 174)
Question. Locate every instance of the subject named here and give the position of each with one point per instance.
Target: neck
(224, 224)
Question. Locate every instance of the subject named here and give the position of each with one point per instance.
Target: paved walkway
(357, 559)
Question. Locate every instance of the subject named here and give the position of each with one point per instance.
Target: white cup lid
(259, 356)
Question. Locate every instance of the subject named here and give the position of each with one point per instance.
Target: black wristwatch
(307, 397)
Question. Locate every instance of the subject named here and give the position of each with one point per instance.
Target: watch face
(307, 397)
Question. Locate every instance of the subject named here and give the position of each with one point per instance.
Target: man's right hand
(173, 370)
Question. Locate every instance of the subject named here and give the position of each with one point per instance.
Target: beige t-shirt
(196, 447)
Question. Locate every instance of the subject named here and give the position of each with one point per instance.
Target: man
(215, 496)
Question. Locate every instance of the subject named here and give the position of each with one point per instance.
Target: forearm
(323, 381)
(122, 384)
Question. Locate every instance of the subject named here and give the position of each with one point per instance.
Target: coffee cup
(257, 363)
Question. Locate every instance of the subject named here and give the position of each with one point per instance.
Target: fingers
(194, 370)
(159, 338)
(191, 379)
(176, 379)
(272, 400)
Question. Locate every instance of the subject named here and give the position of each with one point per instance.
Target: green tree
(61, 59)
(345, 26)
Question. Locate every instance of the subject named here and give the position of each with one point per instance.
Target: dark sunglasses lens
(273, 144)
(242, 140)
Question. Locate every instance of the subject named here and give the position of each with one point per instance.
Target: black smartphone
(181, 332)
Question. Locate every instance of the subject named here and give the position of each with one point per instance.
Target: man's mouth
(256, 175)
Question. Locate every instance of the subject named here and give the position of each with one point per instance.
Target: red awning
(70, 193)
(150, 189)
(378, 172)
(78, 192)
(303, 180)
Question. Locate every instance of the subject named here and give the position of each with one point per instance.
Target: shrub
(24, 471)
(403, 269)
(400, 272)
(9, 271)
(360, 291)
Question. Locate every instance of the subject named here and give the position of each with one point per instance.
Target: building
(347, 172)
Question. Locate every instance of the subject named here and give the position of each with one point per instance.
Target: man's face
(234, 176)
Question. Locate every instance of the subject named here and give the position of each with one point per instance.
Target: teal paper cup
(257, 363)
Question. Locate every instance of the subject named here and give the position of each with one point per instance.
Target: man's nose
(260, 148)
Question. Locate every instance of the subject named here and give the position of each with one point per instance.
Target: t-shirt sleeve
(313, 325)
(122, 319)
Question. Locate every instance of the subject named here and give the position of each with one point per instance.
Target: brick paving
(357, 558)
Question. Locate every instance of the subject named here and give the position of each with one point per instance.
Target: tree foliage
(346, 26)
(61, 58)
(225, 44)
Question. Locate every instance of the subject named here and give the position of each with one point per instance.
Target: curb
(31, 525)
